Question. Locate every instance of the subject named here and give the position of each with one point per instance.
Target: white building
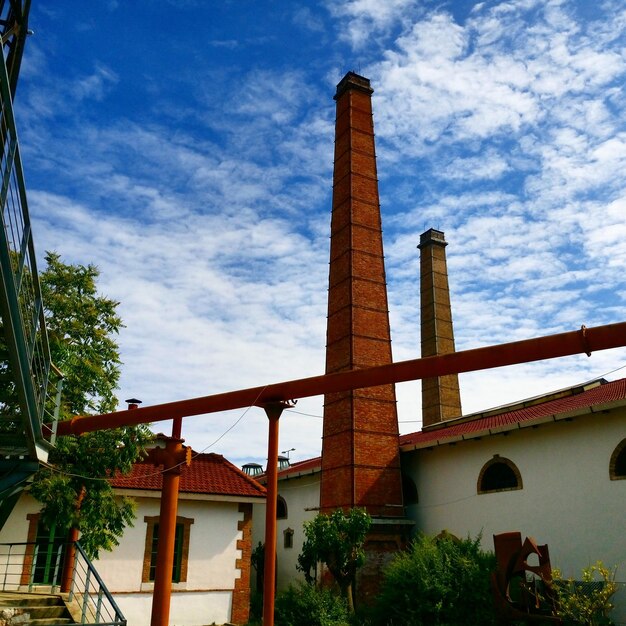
(553, 468)
(212, 550)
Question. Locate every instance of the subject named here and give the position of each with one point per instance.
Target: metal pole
(67, 574)
(274, 411)
(161, 596)
(584, 340)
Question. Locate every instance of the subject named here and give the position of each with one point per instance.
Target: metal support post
(274, 411)
(172, 458)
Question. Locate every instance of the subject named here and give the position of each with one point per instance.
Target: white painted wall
(302, 498)
(206, 596)
(187, 608)
(567, 500)
(212, 547)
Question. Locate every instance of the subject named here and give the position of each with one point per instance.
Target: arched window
(281, 508)
(288, 538)
(499, 474)
(617, 466)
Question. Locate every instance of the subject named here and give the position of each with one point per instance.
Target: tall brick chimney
(360, 454)
(441, 398)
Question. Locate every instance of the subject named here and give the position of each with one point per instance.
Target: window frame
(620, 449)
(181, 549)
(498, 460)
(281, 502)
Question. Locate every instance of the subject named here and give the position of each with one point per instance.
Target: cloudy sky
(185, 147)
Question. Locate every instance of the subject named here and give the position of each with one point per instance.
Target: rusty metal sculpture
(522, 592)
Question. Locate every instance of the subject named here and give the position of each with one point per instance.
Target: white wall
(302, 498)
(187, 608)
(205, 597)
(567, 500)
(212, 547)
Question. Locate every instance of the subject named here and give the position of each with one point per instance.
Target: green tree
(74, 490)
(337, 541)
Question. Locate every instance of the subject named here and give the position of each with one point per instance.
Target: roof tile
(208, 474)
(602, 394)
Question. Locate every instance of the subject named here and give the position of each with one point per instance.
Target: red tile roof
(301, 467)
(208, 474)
(578, 401)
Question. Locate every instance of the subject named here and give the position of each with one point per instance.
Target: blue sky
(185, 147)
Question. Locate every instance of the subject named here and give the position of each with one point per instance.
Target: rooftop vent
(252, 469)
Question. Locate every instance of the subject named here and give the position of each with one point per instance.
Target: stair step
(45, 621)
(24, 599)
(41, 611)
(33, 609)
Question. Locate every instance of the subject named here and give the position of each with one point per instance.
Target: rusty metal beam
(585, 340)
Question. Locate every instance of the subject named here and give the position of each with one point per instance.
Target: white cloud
(361, 20)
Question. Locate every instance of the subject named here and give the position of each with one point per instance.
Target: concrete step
(45, 621)
(15, 599)
(32, 609)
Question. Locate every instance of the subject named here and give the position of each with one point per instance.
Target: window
(181, 549)
(617, 466)
(281, 508)
(44, 554)
(288, 538)
(499, 474)
(48, 564)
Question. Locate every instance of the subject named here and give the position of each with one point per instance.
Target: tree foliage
(337, 541)
(441, 581)
(74, 490)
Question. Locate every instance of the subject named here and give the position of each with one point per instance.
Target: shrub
(586, 602)
(440, 581)
(306, 604)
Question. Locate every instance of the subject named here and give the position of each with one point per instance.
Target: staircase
(28, 397)
(33, 609)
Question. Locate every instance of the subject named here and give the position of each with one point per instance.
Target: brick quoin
(240, 611)
(360, 454)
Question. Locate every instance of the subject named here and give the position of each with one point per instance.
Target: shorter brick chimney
(441, 397)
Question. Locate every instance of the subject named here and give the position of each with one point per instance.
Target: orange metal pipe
(548, 347)
(162, 593)
(273, 412)
(68, 561)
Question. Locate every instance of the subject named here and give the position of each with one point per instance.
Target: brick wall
(241, 593)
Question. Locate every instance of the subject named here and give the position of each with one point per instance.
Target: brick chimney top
(353, 81)
(432, 236)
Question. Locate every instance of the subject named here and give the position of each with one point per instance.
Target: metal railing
(34, 567)
(27, 391)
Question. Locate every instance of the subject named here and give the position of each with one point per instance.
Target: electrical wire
(158, 472)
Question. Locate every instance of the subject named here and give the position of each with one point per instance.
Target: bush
(440, 581)
(586, 602)
(306, 604)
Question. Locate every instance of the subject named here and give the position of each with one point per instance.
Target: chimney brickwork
(441, 398)
(360, 454)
